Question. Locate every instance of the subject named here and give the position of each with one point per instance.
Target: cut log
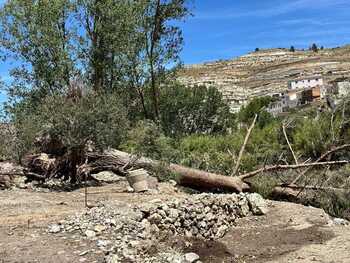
(140, 180)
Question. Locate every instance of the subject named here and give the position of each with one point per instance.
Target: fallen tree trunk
(193, 178)
(43, 167)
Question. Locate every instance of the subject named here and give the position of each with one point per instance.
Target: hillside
(266, 71)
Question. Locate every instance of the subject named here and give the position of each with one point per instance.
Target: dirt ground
(288, 233)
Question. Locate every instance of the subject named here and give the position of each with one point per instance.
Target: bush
(96, 117)
(209, 153)
(147, 139)
(312, 137)
(7, 142)
(256, 106)
(197, 110)
(219, 153)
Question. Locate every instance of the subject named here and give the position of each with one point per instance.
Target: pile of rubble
(127, 232)
(207, 216)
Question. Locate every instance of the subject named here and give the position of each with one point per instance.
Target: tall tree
(116, 44)
(37, 33)
(105, 30)
(163, 41)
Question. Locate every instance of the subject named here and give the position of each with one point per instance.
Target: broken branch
(288, 167)
(235, 170)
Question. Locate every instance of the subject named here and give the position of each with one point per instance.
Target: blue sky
(222, 29)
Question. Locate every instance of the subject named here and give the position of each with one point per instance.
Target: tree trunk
(193, 178)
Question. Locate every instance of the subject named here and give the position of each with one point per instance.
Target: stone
(173, 182)
(221, 231)
(340, 221)
(113, 222)
(102, 243)
(257, 204)
(113, 258)
(191, 257)
(54, 229)
(108, 176)
(100, 228)
(90, 233)
(129, 189)
(155, 218)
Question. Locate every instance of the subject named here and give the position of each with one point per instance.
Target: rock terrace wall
(266, 72)
(206, 216)
(126, 232)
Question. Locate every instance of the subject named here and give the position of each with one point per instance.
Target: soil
(288, 233)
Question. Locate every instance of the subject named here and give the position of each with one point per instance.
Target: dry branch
(336, 149)
(315, 188)
(235, 170)
(288, 167)
(289, 145)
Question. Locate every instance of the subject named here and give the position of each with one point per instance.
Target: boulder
(257, 204)
(191, 257)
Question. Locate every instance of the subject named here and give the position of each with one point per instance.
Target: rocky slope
(266, 72)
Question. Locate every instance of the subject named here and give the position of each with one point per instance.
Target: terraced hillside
(266, 72)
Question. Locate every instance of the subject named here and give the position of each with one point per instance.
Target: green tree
(314, 48)
(193, 110)
(73, 121)
(123, 45)
(256, 106)
(292, 49)
(38, 34)
(162, 41)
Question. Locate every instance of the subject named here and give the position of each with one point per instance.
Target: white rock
(99, 228)
(173, 182)
(90, 233)
(113, 259)
(257, 204)
(191, 257)
(340, 221)
(54, 228)
(102, 243)
(129, 189)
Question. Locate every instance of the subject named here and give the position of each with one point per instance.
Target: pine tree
(314, 48)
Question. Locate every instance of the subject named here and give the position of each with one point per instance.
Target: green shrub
(147, 139)
(193, 110)
(96, 117)
(256, 106)
(210, 153)
(312, 137)
(219, 153)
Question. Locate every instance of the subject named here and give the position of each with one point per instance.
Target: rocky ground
(168, 225)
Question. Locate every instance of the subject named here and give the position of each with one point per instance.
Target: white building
(305, 83)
